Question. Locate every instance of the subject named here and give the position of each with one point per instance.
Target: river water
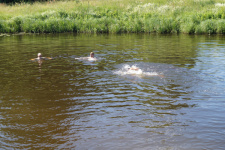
(177, 101)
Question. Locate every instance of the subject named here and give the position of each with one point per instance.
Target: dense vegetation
(20, 1)
(115, 16)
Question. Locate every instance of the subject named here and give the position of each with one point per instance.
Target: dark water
(177, 103)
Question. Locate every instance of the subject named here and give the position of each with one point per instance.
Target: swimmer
(91, 58)
(41, 58)
(136, 71)
(133, 68)
(92, 54)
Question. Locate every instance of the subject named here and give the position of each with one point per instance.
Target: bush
(220, 27)
(20, 1)
(207, 26)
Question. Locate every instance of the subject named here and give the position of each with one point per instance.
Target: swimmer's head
(92, 54)
(39, 55)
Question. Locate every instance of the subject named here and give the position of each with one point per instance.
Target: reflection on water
(174, 101)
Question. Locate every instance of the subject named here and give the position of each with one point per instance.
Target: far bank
(117, 16)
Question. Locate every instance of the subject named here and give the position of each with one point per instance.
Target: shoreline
(94, 34)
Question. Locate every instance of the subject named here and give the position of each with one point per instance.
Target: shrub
(207, 26)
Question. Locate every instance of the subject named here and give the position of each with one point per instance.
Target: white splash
(133, 70)
(151, 73)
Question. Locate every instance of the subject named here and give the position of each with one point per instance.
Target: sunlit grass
(115, 16)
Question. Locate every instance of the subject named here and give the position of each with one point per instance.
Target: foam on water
(125, 70)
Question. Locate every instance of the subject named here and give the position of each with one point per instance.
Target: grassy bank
(115, 16)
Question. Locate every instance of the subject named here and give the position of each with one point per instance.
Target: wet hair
(92, 53)
(39, 54)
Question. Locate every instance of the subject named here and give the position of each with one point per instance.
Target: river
(177, 101)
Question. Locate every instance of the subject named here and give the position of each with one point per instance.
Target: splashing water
(133, 70)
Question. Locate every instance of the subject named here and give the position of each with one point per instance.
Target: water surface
(64, 103)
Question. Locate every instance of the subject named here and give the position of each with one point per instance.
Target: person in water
(133, 68)
(91, 58)
(39, 57)
(92, 55)
(136, 70)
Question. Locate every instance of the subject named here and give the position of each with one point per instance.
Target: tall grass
(115, 16)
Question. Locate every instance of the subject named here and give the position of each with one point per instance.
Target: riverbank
(116, 16)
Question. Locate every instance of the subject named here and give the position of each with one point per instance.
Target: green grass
(115, 16)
